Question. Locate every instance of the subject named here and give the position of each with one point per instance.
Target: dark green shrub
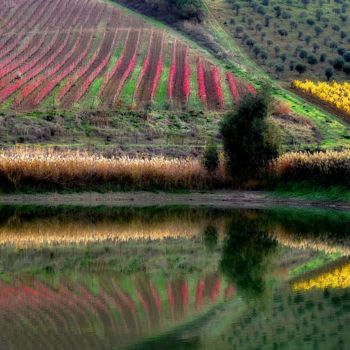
(211, 157)
(249, 140)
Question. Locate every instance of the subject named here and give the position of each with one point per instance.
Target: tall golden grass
(45, 168)
(330, 167)
(38, 168)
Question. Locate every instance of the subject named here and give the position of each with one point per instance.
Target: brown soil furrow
(104, 48)
(143, 93)
(212, 98)
(113, 87)
(179, 98)
(83, 41)
(17, 13)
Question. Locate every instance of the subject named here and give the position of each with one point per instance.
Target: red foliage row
(11, 89)
(201, 81)
(217, 87)
(63, 74)
(172, 72)
(187, 77)
(232, 84)
(97, 71)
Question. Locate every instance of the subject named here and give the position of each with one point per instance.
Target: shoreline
(220, 199)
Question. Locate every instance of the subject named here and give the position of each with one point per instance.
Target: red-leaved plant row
(145, 65)
(217, 86)
(232, 84)
(63, 74)
(79, 73)
(172, 72)
(128, 71)
(12, 46)
(187, 77)
(114, 69)
(4, 71)
(34, 64)
(159, 70)
(11, 89)
(77, 76)
(24, 49)
(49, 76)
(201, 81)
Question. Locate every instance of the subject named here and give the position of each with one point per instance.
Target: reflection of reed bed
(323, 242)
(51, 227)
(52, 232)
(334, 275)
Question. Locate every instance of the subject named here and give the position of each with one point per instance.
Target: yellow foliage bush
(335, 94)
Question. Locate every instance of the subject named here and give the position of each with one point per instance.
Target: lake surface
(173, 278)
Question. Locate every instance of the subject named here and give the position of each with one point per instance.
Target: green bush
(249, 140)
(211, 157)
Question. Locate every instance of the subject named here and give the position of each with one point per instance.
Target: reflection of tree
(246, 255)
(210, 237)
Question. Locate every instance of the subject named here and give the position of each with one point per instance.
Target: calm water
(173, 278)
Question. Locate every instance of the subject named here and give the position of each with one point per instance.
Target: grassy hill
(95, 55)
(281, 36)
(117, 80)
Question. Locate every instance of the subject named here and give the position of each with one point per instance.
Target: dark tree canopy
(249, 140)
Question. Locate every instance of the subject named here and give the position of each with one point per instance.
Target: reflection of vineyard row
(34, 315)
(76, 50)
(335, 276)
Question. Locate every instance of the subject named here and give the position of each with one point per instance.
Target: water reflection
(247, 254)
(174, 278)
(100, 310)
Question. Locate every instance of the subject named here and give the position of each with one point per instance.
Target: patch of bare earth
(297, 129)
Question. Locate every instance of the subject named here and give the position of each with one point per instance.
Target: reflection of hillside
(336, 275)
(316, 230)
(307, 321)
(25, 227)
(72, 315)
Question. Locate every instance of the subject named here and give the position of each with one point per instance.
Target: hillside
(290, 39)
(63, 55)
(99, 75)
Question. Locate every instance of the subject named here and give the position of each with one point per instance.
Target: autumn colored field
(69, 54)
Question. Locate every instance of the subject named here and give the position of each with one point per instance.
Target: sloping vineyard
(68, 54)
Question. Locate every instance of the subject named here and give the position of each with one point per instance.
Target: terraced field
(67, 54)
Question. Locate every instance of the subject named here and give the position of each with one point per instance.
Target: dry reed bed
(330, 167)
(38, 168)
(22, 168)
